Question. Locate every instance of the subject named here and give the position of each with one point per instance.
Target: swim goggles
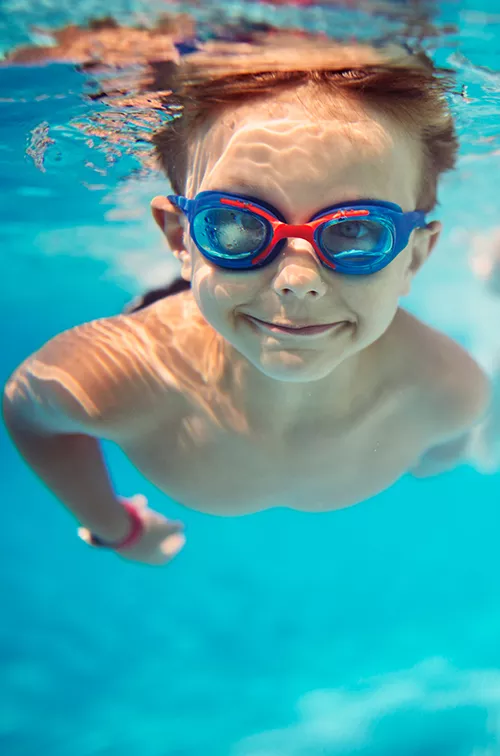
(239, 233)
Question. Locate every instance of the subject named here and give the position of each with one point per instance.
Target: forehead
(279, 152)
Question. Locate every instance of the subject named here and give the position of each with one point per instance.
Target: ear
(170, 221)
(424, 241)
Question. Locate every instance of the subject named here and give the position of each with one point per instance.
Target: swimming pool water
(374, 630)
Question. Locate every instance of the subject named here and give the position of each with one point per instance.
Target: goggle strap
(183, 203)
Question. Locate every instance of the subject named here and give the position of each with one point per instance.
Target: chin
(289, 367)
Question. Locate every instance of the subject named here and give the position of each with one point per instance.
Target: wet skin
(218, 395)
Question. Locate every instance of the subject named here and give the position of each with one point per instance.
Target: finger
(172, 545)
(85, 535)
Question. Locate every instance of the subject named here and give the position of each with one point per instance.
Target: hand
(485, 259)
(160, 541)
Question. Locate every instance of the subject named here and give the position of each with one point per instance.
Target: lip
(296, 329)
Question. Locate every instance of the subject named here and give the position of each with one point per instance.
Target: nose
(298, 274)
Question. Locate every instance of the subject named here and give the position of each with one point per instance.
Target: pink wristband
(136, 531)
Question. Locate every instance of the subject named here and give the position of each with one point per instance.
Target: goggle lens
(239, 236)
(230, 234)
(351, 242)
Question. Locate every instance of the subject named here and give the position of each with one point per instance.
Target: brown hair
(402, 85)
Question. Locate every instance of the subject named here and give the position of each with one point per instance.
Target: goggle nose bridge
(295, 231)
(305, 231)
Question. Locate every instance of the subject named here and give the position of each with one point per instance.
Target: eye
(352, 230)
(354, 236)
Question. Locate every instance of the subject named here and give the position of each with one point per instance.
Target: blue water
(373, 631)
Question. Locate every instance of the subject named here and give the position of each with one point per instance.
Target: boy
(286, 374)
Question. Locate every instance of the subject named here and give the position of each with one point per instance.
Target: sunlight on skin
(123, 367)
(275, 152)
(197, 347)
(229, 416)
(303, 166)
(300, 166)
(276, 155)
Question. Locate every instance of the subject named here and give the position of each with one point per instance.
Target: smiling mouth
(296, 330)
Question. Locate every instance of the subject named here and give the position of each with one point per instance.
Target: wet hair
(391, 80)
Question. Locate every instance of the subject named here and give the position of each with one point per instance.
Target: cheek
(219, 294)
(375, 298)
(209, 292)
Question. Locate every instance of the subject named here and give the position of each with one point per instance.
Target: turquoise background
(373, 630)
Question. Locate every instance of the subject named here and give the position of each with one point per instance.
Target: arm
(55, 406)
(484, 440)
(68, 460)
(442, 458)
(462, 412)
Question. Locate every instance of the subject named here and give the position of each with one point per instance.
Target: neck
(278, 406)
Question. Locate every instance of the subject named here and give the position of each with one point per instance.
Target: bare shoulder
(110, 375)
(452, 389)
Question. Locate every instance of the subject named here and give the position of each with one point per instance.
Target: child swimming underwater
(286, 374)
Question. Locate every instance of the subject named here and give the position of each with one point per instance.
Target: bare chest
(230, 472)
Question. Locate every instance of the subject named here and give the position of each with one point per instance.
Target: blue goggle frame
(395, 225)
